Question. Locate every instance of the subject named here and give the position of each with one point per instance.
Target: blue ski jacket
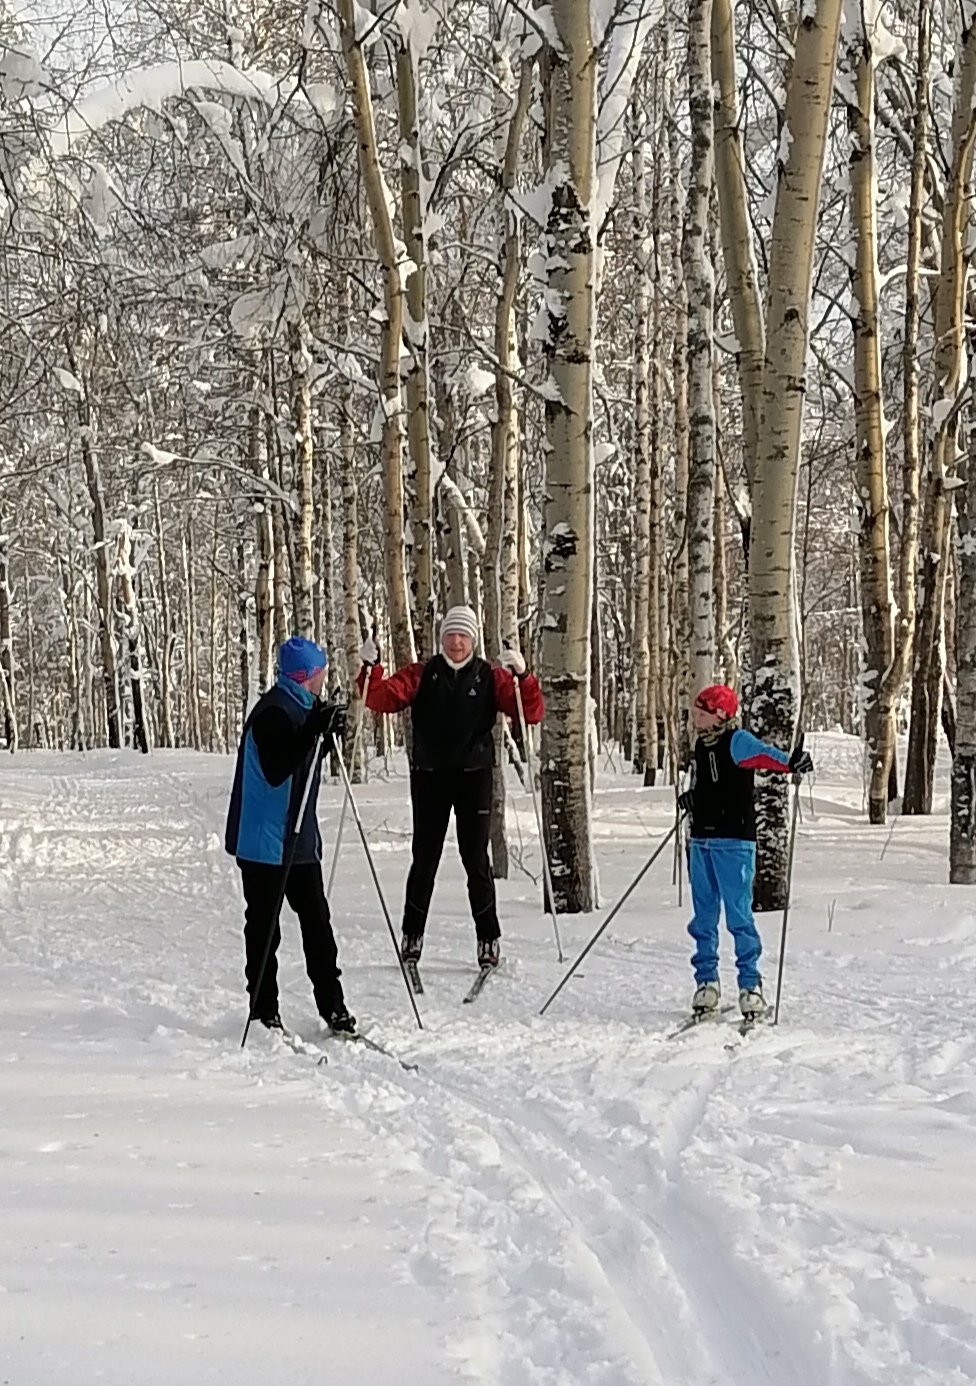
(273, 761)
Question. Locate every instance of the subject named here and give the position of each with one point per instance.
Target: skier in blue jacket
(722, 865)
(275, 759)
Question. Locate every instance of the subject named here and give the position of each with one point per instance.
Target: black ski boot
(340, 1022)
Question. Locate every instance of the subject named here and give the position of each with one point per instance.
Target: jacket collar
(295, 690)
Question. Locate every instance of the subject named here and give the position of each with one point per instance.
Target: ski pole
(286, 868)
(789, 891)
(342, 811)
(376, 880)
(546, 874)
(679, 848)
(629, 891)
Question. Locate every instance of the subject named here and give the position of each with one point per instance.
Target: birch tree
(948, 382)
(877, 600)
(699, 282)
(773, 707)
(391, 332)
(570, 243)
(737, 235)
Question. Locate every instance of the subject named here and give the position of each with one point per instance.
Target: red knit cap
(718, 698)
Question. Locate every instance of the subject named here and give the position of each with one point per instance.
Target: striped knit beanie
(460, 620)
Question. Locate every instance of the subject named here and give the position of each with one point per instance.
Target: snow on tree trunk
(700, 295)
(877, 601)
(569, 525)
(773, 707)
(388, 372)
(949, 314)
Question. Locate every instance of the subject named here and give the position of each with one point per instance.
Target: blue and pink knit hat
(299, 659)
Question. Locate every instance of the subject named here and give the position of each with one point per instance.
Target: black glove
(331, 720)
(801, 761)
(686, 801)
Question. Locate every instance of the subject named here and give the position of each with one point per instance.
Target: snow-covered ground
(572, 1200)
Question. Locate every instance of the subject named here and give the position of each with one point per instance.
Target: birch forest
(642, 327)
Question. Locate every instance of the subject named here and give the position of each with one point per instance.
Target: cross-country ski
(476, 987)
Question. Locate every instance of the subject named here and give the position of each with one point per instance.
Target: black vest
(453, 716)
(724, 793)
(278, 810)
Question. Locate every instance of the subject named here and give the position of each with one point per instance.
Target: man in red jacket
(454, 700)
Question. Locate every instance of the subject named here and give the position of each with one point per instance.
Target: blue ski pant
(721, 871)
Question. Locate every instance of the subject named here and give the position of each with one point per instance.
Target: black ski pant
(305, 892)
(434, 794)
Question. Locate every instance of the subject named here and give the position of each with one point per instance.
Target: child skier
(723, 843)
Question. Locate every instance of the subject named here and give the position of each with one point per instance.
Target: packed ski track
(561, 1200)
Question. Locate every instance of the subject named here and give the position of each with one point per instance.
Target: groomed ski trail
(576, 1200)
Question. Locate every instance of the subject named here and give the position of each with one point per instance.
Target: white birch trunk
(417, 381)
(303, 577)
(7, 646)
(699, 282)
(351, 631)
(737, 237)
(642, 750)
(569, 514)
(962, 823)
(773, 709)
(950, 299)
(388, 377)
(133, 633)
(877, 600)
(165, 637)
(911, 433)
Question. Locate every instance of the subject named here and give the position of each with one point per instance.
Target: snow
(21, 74)
(151, 87)
(418, 27)
(67, 380)
(477, 381)
(563, 1200)
(631, 24)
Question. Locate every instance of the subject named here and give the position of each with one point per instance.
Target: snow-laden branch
(153, 86)
(630, 24)
(455, 497)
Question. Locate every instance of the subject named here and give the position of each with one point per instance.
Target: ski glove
(331, 718)
(801, 761)
(369, 653)
(686, 801)
(513, 660)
